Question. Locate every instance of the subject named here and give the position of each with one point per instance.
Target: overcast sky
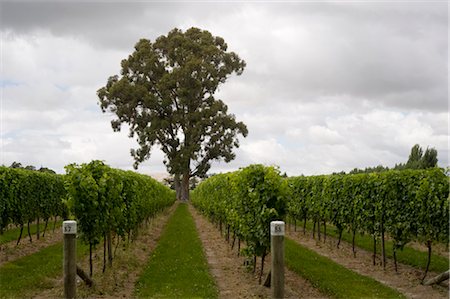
(328, 86)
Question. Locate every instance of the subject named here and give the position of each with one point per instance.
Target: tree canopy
(166, 95)
(418, 159)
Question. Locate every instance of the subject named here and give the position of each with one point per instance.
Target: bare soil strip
(407, 280)
(10, 252)
(232, 278)
(118, 281)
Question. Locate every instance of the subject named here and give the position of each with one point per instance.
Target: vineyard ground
(177, 267)
(10, 251)
(232, 277)
(413, 254)
(119, 280)
(12, 233)
(407, 280)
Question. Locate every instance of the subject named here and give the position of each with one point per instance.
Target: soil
(407, 280)
(10, 252)
(233, 279)
(119, 280)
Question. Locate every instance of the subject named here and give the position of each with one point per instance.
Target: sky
(329, 85)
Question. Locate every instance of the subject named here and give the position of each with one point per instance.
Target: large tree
(166, 94)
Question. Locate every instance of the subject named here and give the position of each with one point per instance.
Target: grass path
(408, 256)
(332, 278)
(33, 272)
(177, 267)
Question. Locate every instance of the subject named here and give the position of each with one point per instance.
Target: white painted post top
(69, 227)
(277, 228)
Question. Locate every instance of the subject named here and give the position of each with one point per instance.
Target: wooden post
(70, 263)
(277, 251)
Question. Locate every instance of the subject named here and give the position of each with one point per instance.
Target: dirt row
(129, 262)
(407, 280)
(233, 279)
(10, 251)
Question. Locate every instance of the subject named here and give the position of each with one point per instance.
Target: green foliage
(26, 195)
(418, 159)
(177, 267)
(105, 200)
(166, 94)
(408, 205)
(247, 201)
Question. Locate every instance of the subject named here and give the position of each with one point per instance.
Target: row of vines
(107, 201)
(27, 196)
(407, 205)
(244, 202)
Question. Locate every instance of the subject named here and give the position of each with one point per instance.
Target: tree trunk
(29, 233)
(90, 259)
(314, 230)
(374, 249)
(438, 279)
(234, 240)
(295, 224)
(324, 231)
(353, 243)
(45, 227)
(177, 184)
(185, 187)
(340, 238)
(318, 229)
(239, 247)
(395, 259)
(89, 282)
(262, 267)
(20, 235)
(104, 253)
(383, 247)
(38, 229)
(428, 261)
(110, 257)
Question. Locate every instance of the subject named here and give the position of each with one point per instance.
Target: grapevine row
(27, 196)
(245, 201)
(108, 201)
(408, 205)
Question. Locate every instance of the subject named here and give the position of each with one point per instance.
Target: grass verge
(407, 256)
(177, 267)
(13, 233)
(332, 278)
(34, 272)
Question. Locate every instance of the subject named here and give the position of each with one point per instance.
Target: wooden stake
(70, 263)
(277, 251)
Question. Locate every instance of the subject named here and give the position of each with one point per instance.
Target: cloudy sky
(328, 86)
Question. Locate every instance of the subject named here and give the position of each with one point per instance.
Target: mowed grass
(177, 267)
(33, 273)
(13, 233)
(332, 278)
(407, 256)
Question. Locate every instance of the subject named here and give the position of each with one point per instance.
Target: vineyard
(398, 218)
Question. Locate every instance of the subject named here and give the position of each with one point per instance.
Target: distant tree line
(418, 159)
(31, 167)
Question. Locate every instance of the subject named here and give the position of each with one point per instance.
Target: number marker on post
(277, 250)
(70, 264)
